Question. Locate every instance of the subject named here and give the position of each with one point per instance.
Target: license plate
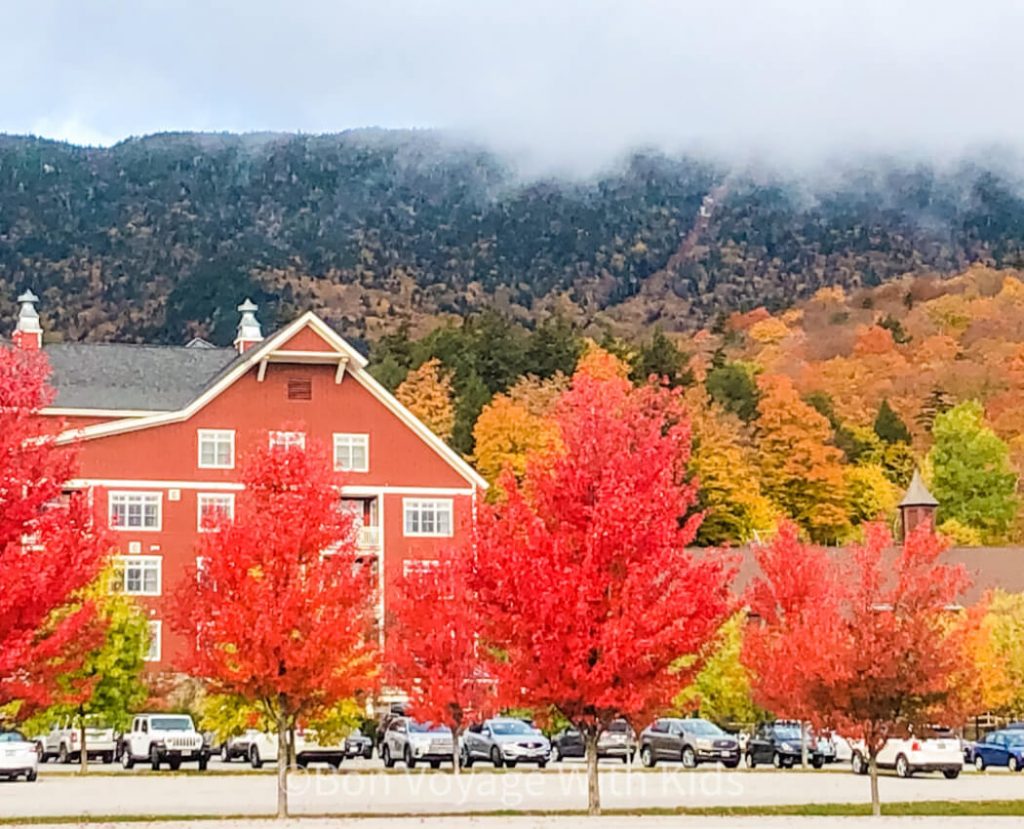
(940, 745)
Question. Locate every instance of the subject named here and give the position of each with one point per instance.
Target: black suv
(778, 743)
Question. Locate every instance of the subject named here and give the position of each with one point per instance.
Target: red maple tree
(432, 648)
(867, 642)
(277, 609)
(585, 583)
(50, 546)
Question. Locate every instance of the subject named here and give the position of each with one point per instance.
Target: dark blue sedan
(1000, 748)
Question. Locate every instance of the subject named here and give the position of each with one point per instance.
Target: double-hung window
(426, 517)
(287, 440)
(135, 510)
(214, 509)
(216, 449)
(137, 575)
(351, 452)
(155, 642)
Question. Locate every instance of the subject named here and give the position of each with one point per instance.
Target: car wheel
(40, 753)
(435, 764)
(625, 759)
(127, 761)
(225, 754)
(31, 776)
(302, 762)
(511, 763)
(818, 762)
(903, 767)
(254, 758)
(979, 763)
(543, 764)
(154, 758)
(496, 759)
(777, 760)
(108, 757)
(647, 758)
(951, 774)
(689, 758)
(730, 764)
(385, 755)
(465, 759)
(203, 763)
(750, 761)
(410, 762)
(1013, 763)
(857, 764)
(62, 754)
(556, 753)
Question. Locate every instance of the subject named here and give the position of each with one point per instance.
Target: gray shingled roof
(121, 376)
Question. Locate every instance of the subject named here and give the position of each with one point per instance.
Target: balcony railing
(368, 537)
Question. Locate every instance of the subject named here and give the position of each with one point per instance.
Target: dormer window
(352, 452)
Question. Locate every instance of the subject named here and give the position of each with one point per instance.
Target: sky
(561, 83)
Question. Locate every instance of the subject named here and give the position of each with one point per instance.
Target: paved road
(482, 790)
(575, 822)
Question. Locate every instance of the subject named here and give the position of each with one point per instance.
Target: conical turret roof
(917, 494)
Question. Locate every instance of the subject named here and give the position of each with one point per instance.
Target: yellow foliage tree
(800, 470)
(427, 393)
(601, 364)
(870, 495)
(507, 431)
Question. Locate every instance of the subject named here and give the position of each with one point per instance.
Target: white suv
(63, 741)
(906, 756)
(160, 738)
(263, 748)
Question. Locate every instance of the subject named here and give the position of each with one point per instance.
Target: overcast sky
(560, 81)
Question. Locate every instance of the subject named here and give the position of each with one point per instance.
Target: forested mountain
(158, 238)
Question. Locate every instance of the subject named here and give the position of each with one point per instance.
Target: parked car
(237, 747)
(908, 755)
(616, 741)
(690, 741)
(505, 741)
(842, 747)
(778, 743)
(164, 738)
(63, 741)
(1000, 748)
(263, 748)
(358, 744)
(411, 742)
(18, 756)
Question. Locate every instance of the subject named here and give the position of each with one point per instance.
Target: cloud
(570, 84)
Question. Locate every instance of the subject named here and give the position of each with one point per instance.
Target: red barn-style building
(162, 431)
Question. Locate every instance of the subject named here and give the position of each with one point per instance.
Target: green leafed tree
(889, 426)
(971, 474)
(108, 686)
(733, 387)
(721, 691)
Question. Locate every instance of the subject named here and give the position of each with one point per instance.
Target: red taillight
(74, 736)
(915, 746)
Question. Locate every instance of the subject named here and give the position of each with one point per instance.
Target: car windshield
(428, 728)
(510, 727)
(619, 727)
(703, 727)
(787, 732)
(12, 737)
(171, 724)
(1015, 738)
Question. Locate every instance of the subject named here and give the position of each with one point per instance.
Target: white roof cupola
(249, 331)
(28, 334)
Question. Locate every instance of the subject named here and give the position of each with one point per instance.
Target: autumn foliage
(868, 643)
(277, 612)
(50, 547)
(585, 584)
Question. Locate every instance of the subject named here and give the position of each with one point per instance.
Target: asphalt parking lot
(59, 793)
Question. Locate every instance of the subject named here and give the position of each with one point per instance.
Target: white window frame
(216, 435)
(116, 494)
(122, 565)
(286, 440)
(226, 497)
(156, 642)
(418, 505)
(350, 441)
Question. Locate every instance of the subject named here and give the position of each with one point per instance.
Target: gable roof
(139, 377)
(348, 359)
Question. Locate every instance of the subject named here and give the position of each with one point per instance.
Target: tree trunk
(293, 755)
(282, 768)
(876, 803)
(803, 744)
(456, 769)
(590, 736)
(83, 757)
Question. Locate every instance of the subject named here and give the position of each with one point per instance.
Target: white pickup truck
(263, 748)
(64, 738)
(164, 738)
(908, 755)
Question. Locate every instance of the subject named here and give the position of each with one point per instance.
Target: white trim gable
(354, 364)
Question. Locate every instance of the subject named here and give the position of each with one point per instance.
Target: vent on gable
(300, 388)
